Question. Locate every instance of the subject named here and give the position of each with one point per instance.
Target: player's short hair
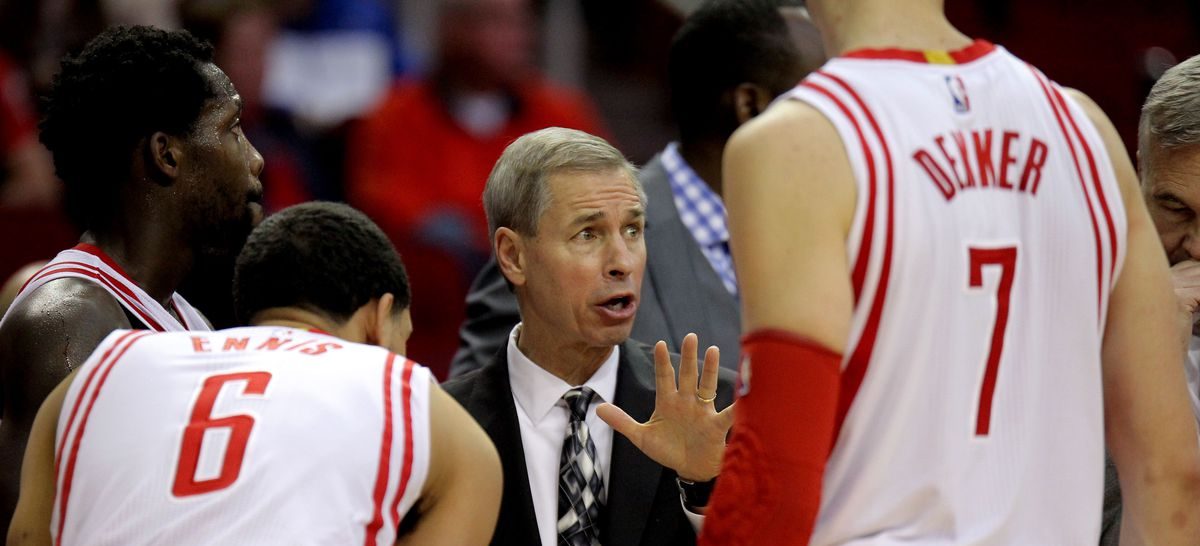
(126, 84)
(722, 44)
(1171, 114)
(516, 194)
(323, 257)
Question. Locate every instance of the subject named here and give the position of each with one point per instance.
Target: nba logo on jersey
(958, 92)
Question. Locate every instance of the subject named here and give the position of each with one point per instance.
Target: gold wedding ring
(706, 400)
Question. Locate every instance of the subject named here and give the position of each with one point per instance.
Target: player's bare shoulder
(768, 149)
(52, 331)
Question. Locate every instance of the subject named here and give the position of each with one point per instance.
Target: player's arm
(461, 498)
(45, 336)
(1149, 426)
(790, 195)
(31, 521)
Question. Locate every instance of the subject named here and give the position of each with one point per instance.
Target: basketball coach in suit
(566, 213)
(726, 64)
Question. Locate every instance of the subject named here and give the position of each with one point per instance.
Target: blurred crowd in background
(401, 107)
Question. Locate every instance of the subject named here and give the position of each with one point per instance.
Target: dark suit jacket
(680, 292)
(643, 501)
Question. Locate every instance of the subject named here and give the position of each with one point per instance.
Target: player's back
(244, 436)
(988, 233)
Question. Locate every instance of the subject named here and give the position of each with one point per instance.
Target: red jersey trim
(860, 357)
(383, 475)
(1083, 185)
(1096, 182)
(406, 470)
(104, 257)
(859, 271)
(65, 495)
(119, 291)
(975, 51)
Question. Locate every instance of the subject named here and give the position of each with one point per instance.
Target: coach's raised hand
(686, 433)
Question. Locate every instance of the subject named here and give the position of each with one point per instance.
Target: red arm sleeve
(769, 489)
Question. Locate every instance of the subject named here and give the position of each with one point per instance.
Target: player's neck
(893, 25)
(301, 319)
(153, 257)
(570, 362)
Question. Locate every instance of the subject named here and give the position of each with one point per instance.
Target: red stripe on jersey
(179, 313)
(1082, 184)
(116, 286)
(860, 358)
(406, 470)
(1087, 150)
(104, 257)
(35, 276)
(69, 471)
(62, 441)
(859, 273)
(118, 290)
(385, 455)
(977, 49)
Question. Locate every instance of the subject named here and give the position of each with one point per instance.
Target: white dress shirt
(543, 418)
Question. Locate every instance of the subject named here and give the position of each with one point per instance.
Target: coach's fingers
(708, 378)
(621, 422)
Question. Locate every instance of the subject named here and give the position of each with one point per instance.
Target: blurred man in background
(730, 59)
(418, 163)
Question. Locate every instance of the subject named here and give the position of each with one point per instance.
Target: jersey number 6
(202, 421)
(1006, 259)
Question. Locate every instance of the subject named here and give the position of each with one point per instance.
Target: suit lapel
(493, 407)
(633, 477)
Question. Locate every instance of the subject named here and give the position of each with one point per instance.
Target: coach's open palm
(686, 433)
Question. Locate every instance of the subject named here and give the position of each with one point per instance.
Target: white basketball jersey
(88, 262)
(988, 234)
(242, 436)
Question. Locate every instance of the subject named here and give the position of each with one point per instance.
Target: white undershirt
(543, 418)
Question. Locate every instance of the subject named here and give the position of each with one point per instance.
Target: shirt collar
(537, 391)
(701, 209)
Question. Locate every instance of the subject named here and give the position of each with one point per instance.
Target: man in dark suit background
(727, 62)
(566, 213)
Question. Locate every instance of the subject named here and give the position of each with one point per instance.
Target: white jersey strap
(89, 262)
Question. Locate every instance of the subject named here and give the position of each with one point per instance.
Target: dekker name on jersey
(987, 237)
(998, 159)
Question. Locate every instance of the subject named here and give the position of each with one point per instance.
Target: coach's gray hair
(517, 194)
(1171, 115)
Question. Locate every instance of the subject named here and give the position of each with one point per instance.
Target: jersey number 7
(202, 421)
(1006, 259)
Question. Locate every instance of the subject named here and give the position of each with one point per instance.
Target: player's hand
(685, 433)
(1185, 276)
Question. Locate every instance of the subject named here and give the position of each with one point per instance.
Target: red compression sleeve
(769, 489)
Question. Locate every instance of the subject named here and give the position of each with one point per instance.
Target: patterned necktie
(580, 486)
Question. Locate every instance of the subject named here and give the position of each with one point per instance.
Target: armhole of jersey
(845, 129)
(411, 457)
(1108, 181)
(81, 373)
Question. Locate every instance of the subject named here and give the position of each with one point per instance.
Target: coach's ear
(510, 255)
(163, 157)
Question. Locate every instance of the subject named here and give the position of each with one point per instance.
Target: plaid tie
(580, 486)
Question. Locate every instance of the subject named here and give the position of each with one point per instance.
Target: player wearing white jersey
(953, 293)
(302, 429)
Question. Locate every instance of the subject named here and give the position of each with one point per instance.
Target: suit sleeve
(491, 315)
